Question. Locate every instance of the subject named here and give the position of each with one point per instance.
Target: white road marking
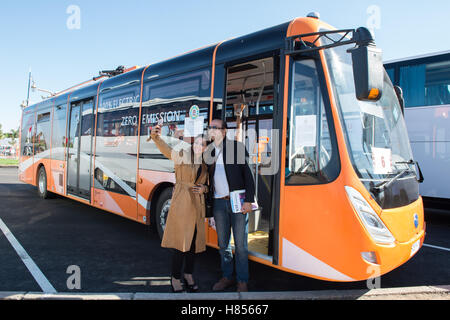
(29, 263)
(436, 247)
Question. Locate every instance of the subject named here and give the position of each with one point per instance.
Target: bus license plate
(415, 247)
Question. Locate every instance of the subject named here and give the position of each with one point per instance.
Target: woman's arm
(202, 188)
(165, 149)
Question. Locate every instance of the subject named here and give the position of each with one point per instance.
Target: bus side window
(43, 129)
(27, 134)
(312, 149)
(117, 136)
(59, 132)
(170, 101)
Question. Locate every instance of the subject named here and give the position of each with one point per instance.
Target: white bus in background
(425, 81)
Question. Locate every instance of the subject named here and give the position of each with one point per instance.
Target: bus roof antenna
(112, 73)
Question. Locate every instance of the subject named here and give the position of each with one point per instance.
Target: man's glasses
(214, 128)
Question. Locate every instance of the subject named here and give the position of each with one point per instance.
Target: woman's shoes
(177, 285)
(190, 283)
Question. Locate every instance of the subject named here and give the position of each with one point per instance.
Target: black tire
(162, 211)
(42, 184)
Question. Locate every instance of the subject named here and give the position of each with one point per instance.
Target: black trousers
(187, 257)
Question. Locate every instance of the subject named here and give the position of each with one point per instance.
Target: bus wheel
(42, 183)
(162, 211)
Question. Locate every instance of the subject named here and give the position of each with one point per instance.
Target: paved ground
(409, 293)
(121, 256)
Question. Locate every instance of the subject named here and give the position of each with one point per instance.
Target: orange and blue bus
(337, 187)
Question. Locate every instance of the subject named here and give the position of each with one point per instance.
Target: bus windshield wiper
(420, 179)
(410, 162)
(385, 184)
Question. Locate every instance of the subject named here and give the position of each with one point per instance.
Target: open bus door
(249, 113)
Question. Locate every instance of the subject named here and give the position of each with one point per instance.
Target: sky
(67, 42)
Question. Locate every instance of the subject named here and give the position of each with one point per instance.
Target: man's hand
(199, 189)
(246, 207)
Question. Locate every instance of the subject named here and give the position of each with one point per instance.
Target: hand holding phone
(156, 131)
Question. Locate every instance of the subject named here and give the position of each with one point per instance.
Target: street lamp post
(29, 87)
(32, 86)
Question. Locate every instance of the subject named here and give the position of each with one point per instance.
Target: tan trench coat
(187, 210)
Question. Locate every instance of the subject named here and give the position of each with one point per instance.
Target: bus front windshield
(376, 135)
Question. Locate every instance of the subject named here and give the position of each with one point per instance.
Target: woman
(185, 227)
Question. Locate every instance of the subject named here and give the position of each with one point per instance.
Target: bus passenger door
(80, 149)
(250, 102)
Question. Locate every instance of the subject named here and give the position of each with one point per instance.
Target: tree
(13, 135)
(2, 135)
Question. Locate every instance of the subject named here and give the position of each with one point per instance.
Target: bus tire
(42, 184)
(162, 211)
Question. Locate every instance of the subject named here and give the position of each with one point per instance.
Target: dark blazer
(238, 172)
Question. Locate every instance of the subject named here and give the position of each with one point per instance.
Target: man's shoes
(242, 287)
(223, 284)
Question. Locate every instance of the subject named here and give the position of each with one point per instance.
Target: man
(230, 172)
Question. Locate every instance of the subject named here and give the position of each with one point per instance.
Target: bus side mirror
(401, 100)
(367, 67)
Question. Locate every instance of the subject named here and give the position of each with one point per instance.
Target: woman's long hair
(192, 149)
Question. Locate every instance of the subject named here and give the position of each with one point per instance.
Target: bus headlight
(376, 228)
